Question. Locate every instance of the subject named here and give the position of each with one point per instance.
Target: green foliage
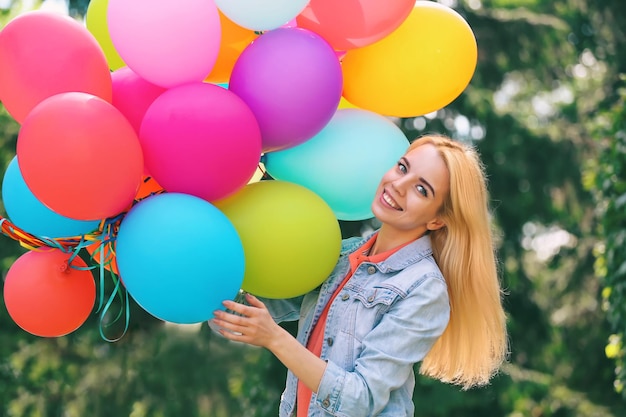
(607, 177)
(546, 109)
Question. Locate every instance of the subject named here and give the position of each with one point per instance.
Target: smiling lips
(390, 201)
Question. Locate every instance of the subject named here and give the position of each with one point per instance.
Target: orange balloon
(46, 296)
(419, 68)
(148, 187)
(102, 254)
(234, 40)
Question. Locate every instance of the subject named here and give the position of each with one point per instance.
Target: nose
(400, 184)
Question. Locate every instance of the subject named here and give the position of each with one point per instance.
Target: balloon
(80, 156)
(345, 104)
(261, 14)
(354, 24)
(102, 254)
(166, 44)
(96, 23)
(291, 79)
(234, 40)
(258, 174)
(132, 95)
(290, 237)
(45, 53)
(30, 215)
(47, 297)
(179, 257)
(200, 139)
(343, 163)
(419, 68)
(148, 187)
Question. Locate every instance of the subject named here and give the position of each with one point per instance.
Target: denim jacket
(385, 320)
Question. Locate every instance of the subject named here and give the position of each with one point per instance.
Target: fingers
(230, 322)
(253, 301)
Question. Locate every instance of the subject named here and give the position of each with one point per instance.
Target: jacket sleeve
(281, 310)
(401, 339)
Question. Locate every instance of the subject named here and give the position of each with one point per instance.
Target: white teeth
(390, 201)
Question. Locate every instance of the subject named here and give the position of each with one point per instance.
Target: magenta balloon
(291, 79)
(166, 43)
(132, 95)
(200, 139)
(45, 53)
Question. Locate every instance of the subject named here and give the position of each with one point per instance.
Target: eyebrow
(406, 162)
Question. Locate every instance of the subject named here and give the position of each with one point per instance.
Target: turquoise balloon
(179, 257)
(344, 162)
(31, 215)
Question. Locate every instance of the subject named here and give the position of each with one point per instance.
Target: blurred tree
(545, 105)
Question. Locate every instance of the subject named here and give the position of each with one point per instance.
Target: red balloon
(43, 54)
(355, 23)
(80, 156)
(46, 296)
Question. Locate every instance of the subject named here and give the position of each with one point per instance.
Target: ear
(435, 224)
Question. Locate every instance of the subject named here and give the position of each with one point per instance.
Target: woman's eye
(422, 190)
(402, 167)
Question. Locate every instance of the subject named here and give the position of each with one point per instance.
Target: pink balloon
(80, 156)
(200, 139)
(43, 54)
(132, 95)
(356, 23)
(291, 79)
(163, 42)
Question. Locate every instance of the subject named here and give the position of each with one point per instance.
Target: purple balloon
(292, 80)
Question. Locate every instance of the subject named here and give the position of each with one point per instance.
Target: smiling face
(410, 194)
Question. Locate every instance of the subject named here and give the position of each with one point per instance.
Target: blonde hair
(475, 342)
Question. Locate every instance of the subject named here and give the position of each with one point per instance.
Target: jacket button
(325, 403)
(345, 296)
(330, 341)
(371, 270)
(370, 298)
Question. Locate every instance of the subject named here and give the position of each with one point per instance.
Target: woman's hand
(255, 326)
(252, 324)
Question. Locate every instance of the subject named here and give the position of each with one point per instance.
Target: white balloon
(261, 14)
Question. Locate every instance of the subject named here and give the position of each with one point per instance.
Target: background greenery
(546, 108)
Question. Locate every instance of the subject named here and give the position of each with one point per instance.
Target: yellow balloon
(345, 104)
(419, 68)
(290, 236)
(96, 23)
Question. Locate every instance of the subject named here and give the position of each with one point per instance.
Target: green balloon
(290, 236)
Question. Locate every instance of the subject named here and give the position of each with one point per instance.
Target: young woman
(423, 288)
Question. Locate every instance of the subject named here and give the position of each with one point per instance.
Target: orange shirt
(316, 339)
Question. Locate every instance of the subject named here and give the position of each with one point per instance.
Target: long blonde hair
(475, 342)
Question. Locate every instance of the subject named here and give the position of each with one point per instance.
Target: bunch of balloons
(145, 132)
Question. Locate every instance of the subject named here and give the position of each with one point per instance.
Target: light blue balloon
(179, 257)
(344, 162)
(261, 14)
(31, 215)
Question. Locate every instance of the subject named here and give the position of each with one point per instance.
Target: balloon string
(105, 234)
(118, 291)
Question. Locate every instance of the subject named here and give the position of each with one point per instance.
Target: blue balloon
(31, 215)
(179, 257)
(344, 162)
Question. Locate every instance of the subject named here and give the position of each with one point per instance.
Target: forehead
(426, 157)
(427, 162)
